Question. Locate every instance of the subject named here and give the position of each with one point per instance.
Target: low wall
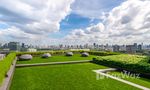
(7, 81)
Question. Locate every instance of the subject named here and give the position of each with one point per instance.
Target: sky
(49, 22)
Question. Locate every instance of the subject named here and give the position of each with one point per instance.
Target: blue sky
(78, 21)
(103, 21)
(71, 22)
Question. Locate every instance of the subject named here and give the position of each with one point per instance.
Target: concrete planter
(69, 54)
(46, 55)
(85, 54)
(25, 57)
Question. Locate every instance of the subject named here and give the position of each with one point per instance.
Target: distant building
(5, 45)
(135, 46)
(14, 46)
(23, 45)
(2, 56)
(0, 45)
(123, 48)
(130, 49)
(79, 49)
(139, 47)
(116, 48)
(31, 50)
(94, 44)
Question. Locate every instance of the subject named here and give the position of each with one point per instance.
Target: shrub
(133, 63)
(40, 53)
(102, 53)
(5, 65)
(148, 59)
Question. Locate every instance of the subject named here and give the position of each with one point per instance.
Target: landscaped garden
(74, 76)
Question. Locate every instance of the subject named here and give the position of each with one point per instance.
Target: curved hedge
(133, 63)
(5, 65)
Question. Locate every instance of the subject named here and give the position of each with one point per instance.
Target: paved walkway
(101, 72)
(52, 63)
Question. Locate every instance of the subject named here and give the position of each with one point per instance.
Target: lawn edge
(7, 81)
(52, 63)
(102, 72)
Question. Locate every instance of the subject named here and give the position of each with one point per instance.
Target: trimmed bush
(97, 53)
(133, 63)
(5, 65)
(102, 53)
(40, 53)
(148, 59)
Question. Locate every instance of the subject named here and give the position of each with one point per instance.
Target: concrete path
(101, 72)
(52, 63)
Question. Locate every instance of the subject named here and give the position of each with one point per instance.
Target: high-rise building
(116, 48)
(139, 47)
(5, 45)
(135, 46)
(23, 45)
(130, 49)
(94, 44)
(14, 46)
(123, 48)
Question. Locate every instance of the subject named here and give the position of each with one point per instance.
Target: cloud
(94, 9)
(126, 23)
(32, 18)
(89, 35)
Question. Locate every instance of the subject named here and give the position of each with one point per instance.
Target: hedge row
(98, 53)
(139, 67)
(5, 65)
(39, 53)
(102, 53)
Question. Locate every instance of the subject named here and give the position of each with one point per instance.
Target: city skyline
(75, 21)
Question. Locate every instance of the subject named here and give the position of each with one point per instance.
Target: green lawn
(56, 58)
(64, 77)
(141, 81)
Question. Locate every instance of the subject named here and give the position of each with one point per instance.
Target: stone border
(103, 72)
(7, 81)
(52, 63)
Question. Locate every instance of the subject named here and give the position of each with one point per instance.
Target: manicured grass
(56, 58)
(5, 65)
(141, 81)
(64, 77)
